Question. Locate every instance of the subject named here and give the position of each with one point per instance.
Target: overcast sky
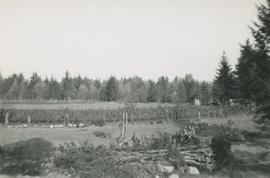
(99, 38)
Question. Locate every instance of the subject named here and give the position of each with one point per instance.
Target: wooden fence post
(126, 118)
(182, 112)
(220, 112)
(6, 118)
(122, 127)
(28, 120)
(132, 119)
(67, 119)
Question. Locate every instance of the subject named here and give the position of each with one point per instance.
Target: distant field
(77, 105)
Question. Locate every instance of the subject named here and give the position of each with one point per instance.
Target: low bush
(98, 122)
(221, 147)
(164, 140)
(101, 134)
(159, 122)
(25, 157)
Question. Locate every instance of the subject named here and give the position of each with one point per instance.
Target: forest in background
(248, 83)
(135, 89)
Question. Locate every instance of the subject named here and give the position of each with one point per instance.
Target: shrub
(164, 140)
(101, 134)
(25, 157)
(221, 147)
(159, 122)
(98, 122)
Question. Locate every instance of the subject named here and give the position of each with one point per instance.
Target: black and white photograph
(134, 88)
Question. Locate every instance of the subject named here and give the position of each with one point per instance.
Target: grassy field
(78, 105)
(255, 153)
(64, 135)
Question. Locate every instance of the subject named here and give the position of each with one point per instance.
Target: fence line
(66, 116)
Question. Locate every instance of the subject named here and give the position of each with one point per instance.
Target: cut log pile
(193, 156)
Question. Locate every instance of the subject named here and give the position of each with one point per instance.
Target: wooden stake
(126, 118)
(28, 120)
(220, 112)
(6, 118)
(67, 119)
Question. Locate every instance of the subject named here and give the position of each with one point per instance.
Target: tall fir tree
(14, 91)
(68, 89)
(205, 92)
(152, 92)
(54, 89)
(261, 35)
(111, 91)
(163, 89)
(181, 92)
(190, 87)
(245, 73)
(33, 81)
(223, 85)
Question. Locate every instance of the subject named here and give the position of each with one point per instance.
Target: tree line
(133, 89)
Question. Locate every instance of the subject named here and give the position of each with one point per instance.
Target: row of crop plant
(36, 116)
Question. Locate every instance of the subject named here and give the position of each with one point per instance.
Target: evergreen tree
(33, 81)
(163, 89)
(111, 91)
(223, 85)
(138, 90)
(152, 92)
(14, 91)
(40, 90)
(22, 86)
(6, 84)
(245, 73)
(83, 92)
(68, 89)
(181, 92)
(190, 87)
(93, 91)
(54, 89)
(261, 34)
(77, 82)
(205, 93)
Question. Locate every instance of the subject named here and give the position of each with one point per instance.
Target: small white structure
(234, 102)
(197, 102)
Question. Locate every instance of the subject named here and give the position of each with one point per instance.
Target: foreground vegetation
(146, 148)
